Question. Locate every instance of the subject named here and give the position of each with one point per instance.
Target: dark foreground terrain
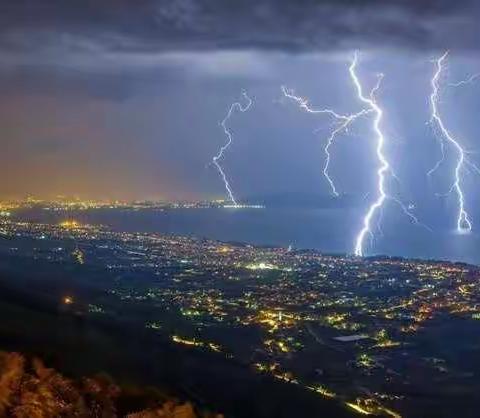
(241, 330)
(100, 367)
(28, 389)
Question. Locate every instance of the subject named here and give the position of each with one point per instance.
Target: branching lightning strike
(343, 122)
(384, 165)
(466, 82)
(464, 224)
(384, 168)
(219, 156)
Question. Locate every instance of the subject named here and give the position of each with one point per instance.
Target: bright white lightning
(469, 80)
(464, 224)
(384, 166)
(343, 122)
(219, 156)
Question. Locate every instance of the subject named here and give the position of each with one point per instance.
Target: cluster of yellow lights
(69, 224)
(387, 344)
(184, 341)
(466, 289)
(195, 343)
(286, 377)
(371, 407)
(215, 347)
(266, 367)
(366, 361)
(358, 408)
(410, 328)
(276, 319)
(67, 300)
(322, 390)
(383, 341)
(365, 406)
(281, 345)
(79, 256)
(336, 318)
(341, 321)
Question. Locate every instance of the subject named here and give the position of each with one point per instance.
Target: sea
(330, 231)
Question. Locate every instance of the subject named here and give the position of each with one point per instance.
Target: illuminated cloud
(301, 25)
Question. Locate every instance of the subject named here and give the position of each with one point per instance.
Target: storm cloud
(286, 25)
(96, 94)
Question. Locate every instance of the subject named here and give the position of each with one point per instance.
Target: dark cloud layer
(292, 25)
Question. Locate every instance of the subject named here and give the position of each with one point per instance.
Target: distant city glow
(69, 224)
(244, 206)
(261, 266)
(296, 301)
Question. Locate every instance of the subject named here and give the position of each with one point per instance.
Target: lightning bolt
(469, 80)
(342, 123)
(464, 224)
(215, 160)
(384, 167)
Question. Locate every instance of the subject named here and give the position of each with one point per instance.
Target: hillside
(28, 389)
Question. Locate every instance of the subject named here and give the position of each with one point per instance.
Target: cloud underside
(284, 25)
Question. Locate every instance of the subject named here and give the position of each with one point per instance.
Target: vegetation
(28, 389)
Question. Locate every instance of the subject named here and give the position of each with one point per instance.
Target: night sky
(123, 99)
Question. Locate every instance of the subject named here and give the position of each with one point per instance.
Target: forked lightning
(228, 134)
